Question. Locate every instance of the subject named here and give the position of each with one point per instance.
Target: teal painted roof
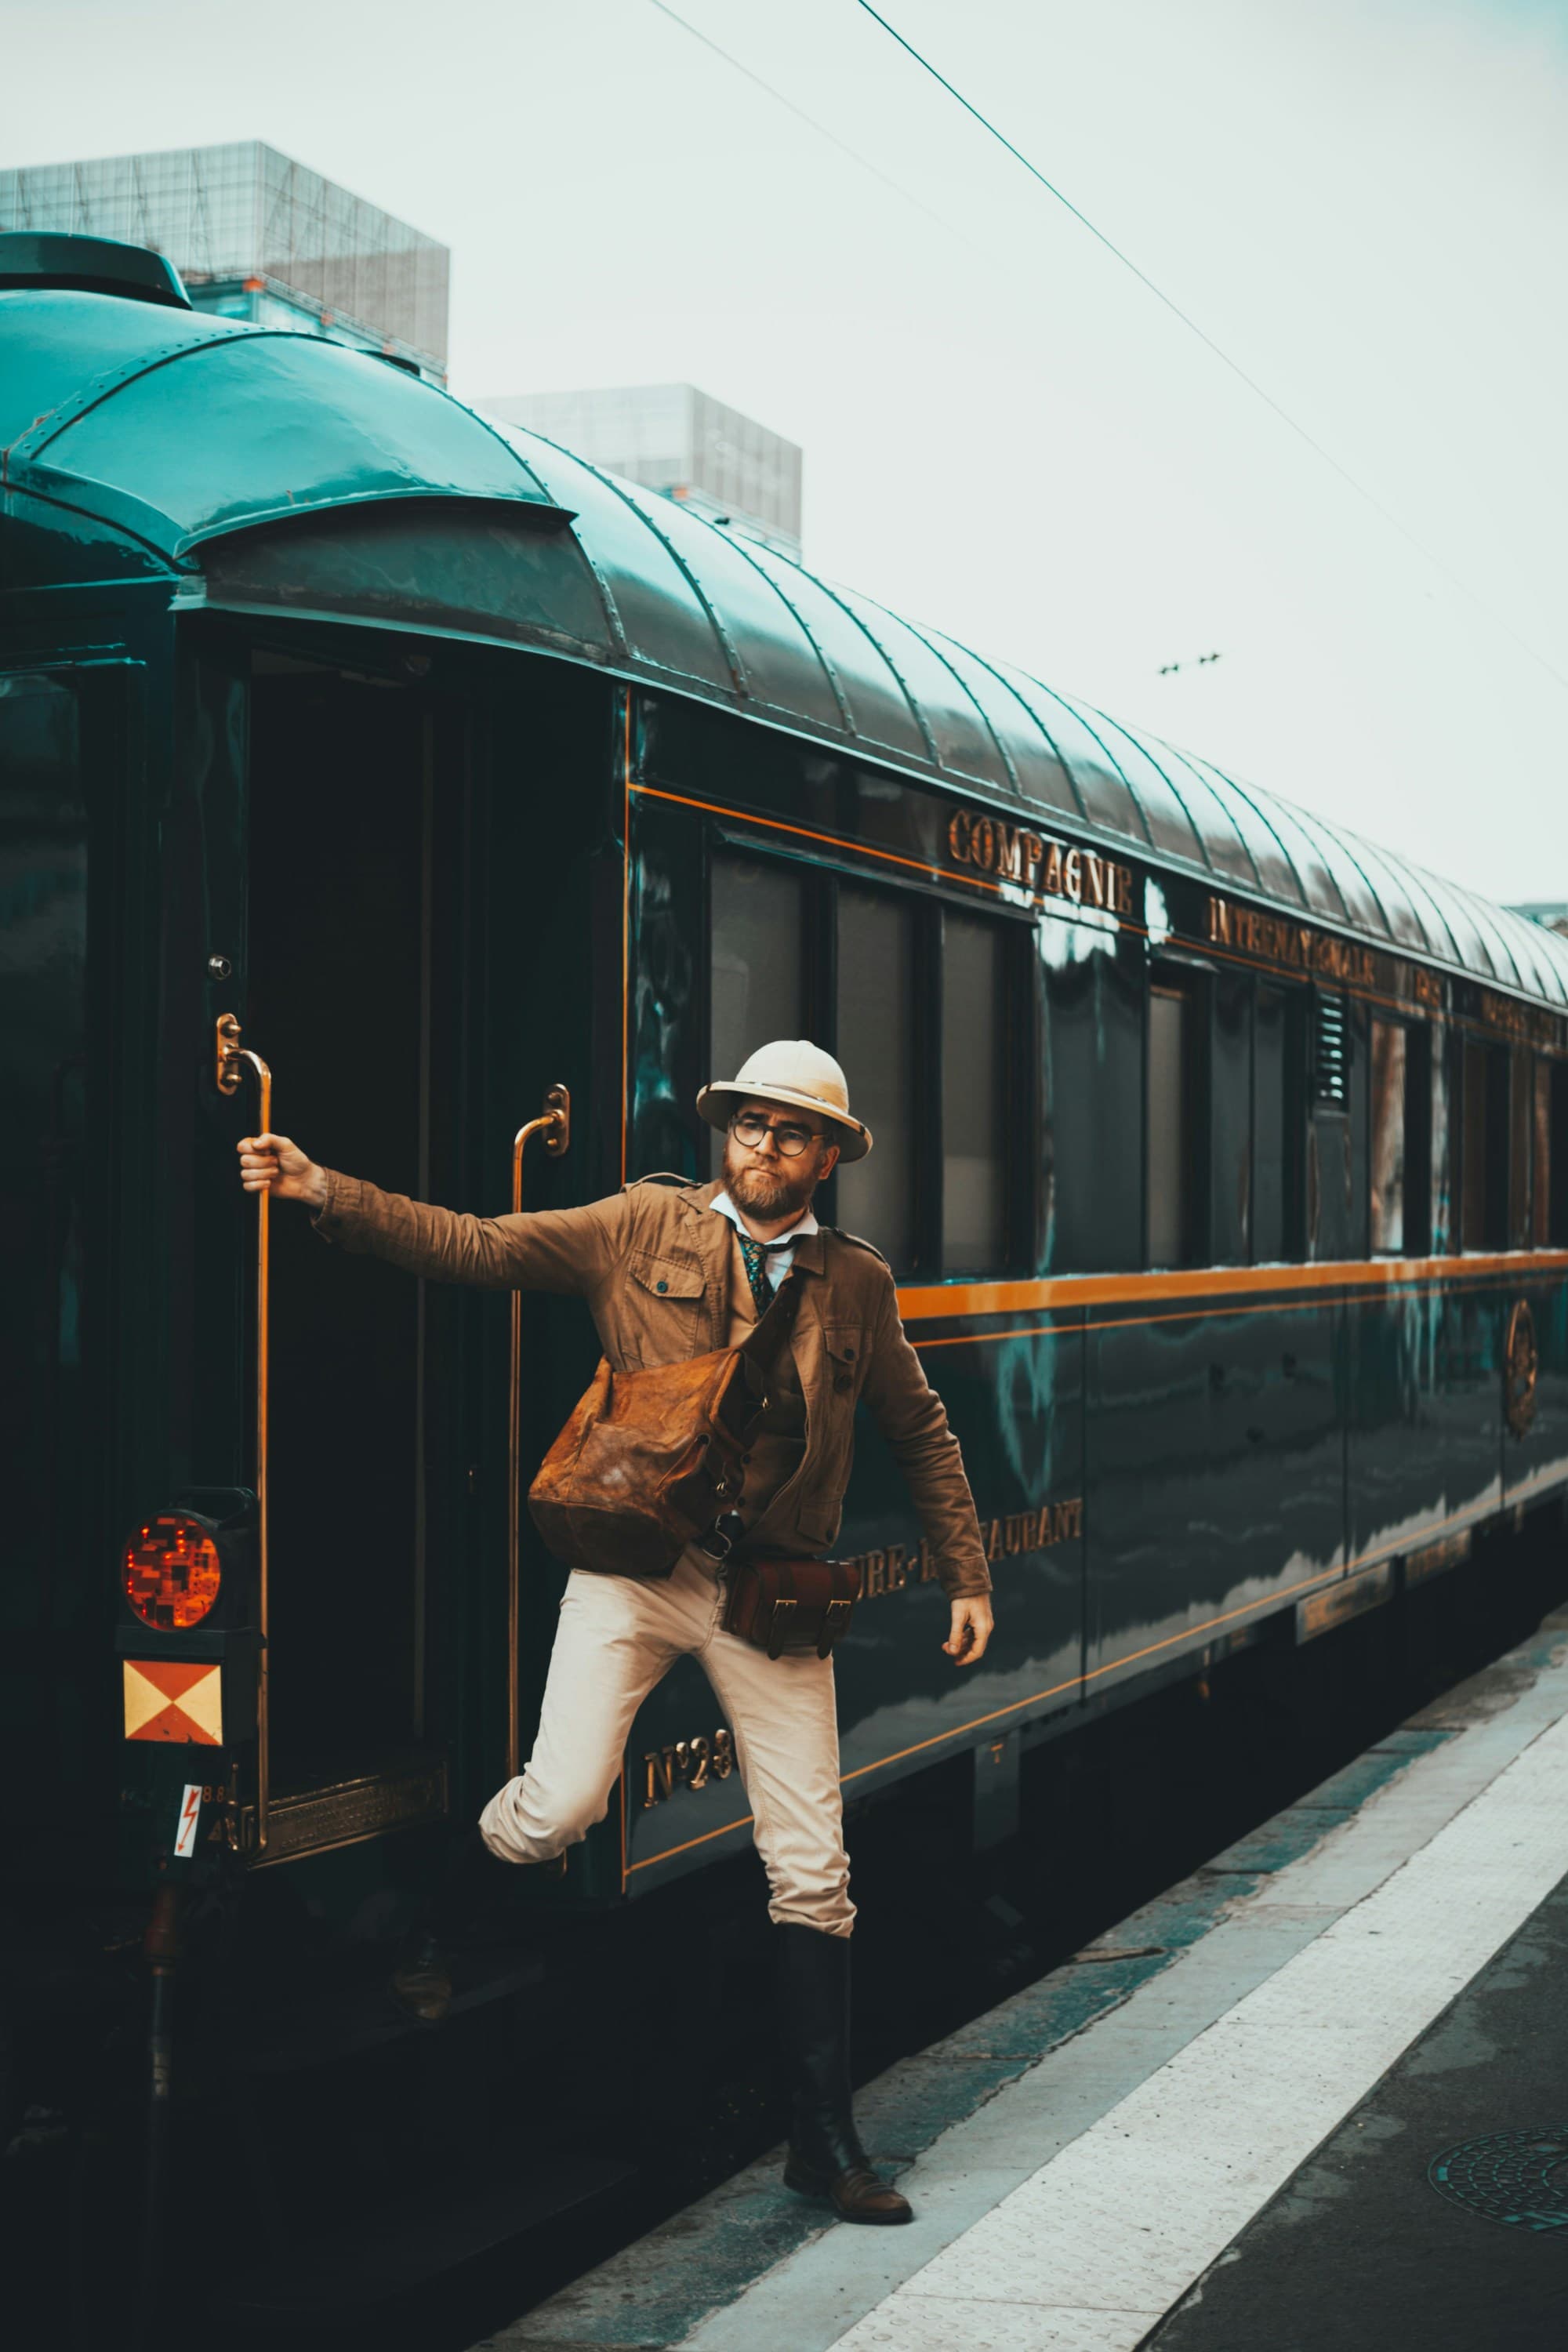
(179, 427)
(190, 432)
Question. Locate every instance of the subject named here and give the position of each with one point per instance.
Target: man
(672, 1270)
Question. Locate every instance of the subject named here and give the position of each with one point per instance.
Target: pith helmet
(790, 1070)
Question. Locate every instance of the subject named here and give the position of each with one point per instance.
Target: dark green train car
(1222, 1160)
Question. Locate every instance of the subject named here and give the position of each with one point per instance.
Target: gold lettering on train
(1014, 853)
(694, 1764)
(686, 1764)
(1297, 946)
(1522, 1023)
(892, 1568)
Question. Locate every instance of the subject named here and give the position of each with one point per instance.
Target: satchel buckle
(778, 1630)
(835, 1618)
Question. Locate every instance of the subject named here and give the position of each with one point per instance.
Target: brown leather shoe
(421, 1983)
(855, 2194)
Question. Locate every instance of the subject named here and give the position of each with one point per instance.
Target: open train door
(338, 983)
(384, 975)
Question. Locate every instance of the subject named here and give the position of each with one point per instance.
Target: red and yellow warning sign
(174, 1699)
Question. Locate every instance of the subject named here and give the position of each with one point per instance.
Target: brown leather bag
(650, 1462)
(789, 1606)
(647, 1463)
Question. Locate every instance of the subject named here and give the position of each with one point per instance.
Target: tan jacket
(653, 1263)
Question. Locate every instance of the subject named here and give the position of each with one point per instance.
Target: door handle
(554, 1123)
(228, 1071)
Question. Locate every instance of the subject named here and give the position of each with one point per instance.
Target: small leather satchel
(647, 1463)
(788, 1607)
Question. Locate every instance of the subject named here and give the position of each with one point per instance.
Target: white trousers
(618, 1636)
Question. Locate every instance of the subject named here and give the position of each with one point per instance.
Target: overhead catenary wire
(800, 115)
(1325, 455)
(1352, 481)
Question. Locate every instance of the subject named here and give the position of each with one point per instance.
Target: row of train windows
(1333, 1131)
(1039, 1101)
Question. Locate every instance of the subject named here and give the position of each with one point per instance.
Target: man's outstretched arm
(547, 1249)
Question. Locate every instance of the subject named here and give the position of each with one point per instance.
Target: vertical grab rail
(230, 1055)
(554, 1123)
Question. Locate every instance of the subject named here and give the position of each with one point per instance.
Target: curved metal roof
(739, 623)
(179, 427)
(189, 432)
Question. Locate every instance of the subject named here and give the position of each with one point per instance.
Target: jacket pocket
(665, 1277)
(844, 1359)
(657, 1309)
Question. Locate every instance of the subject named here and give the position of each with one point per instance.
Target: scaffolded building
(257, 236)
(672, 438)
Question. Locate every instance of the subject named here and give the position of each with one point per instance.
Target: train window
(1556, 1185)
(1273, 1126)
(973, 1164)
(1420, 1125)
(878, 1041)
(756, 973)
(1093, 1063)
(1388, 1171)
(1230, 1120)
(1170, 1126)
(1483, 1147)
(1520, 1077)
(1540, 1154)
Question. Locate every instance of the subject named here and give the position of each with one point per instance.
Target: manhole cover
(1518, 2176)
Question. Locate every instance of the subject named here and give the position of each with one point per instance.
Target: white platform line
(1099, 2243)
(809, 2299)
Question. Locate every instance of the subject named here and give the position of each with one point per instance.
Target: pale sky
(1365, 202)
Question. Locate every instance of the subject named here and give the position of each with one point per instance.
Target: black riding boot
(825, 2157)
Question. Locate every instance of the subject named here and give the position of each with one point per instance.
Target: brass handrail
(554, 1123)
(230, 1055)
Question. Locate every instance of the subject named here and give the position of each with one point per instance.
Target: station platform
(1315, 2097)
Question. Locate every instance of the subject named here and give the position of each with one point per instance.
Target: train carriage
(1222, 1158)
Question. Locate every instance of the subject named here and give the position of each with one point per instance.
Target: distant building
(1553, 912)
(676, 440)
(255, 235)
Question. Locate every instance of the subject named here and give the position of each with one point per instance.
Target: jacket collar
(712, 1234)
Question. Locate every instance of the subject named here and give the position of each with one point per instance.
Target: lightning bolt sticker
(190, 1812)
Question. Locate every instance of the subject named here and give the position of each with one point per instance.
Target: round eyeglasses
(789, 1141)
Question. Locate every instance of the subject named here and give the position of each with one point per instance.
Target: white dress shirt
(780, 1255)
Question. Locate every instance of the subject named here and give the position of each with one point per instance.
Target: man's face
(767, 1182)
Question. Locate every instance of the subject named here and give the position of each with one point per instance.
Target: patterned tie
(755, 1255)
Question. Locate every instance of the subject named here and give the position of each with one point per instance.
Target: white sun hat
(791, 1070)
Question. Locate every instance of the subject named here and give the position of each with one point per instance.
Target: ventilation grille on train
(1330, 1051)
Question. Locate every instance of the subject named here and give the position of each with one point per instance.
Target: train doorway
(348, 824)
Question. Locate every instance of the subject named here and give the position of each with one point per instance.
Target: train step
(427, 2232)
(329, 2027)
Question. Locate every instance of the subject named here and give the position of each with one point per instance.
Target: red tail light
(171, 1572)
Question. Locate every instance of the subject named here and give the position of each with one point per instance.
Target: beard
(767, 1193)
